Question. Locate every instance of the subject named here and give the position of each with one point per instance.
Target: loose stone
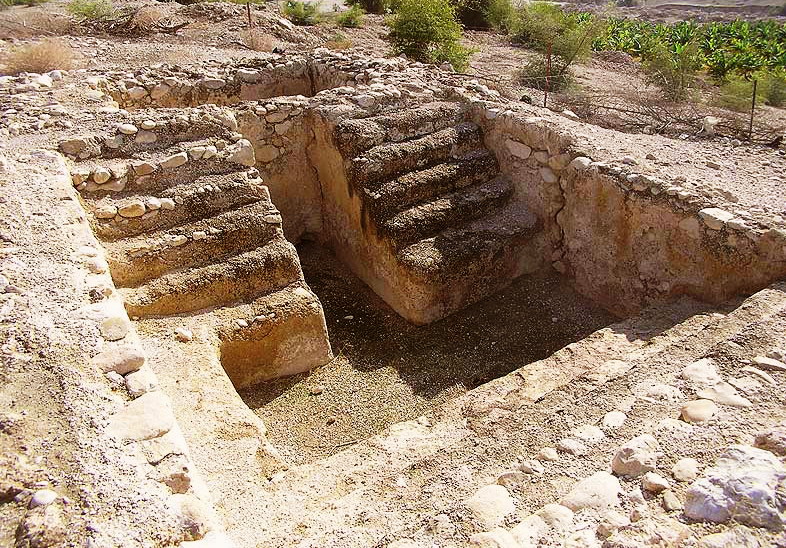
(176, 160)
(183, 335)
(685, 469)
(654, 482)
(699, 410)
(43, 497)
(636, 457)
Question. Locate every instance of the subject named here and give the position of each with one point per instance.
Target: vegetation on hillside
(351, 18)
(301, 13)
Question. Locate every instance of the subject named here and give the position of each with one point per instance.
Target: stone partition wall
(249, 80)
(627, 239)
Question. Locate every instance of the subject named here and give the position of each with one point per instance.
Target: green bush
(673, 67)
(352, 18)
(774, 88)
(91, 9)
(302, 13)
(533, 75)
(427, 31)
(8, 3)
(376, 6)
(735, 94)
(501, 15)
(570, 34)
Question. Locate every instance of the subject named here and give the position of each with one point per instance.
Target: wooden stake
(248, 12)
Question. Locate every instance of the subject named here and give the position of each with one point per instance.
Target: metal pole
(548, 74)
(753, 108)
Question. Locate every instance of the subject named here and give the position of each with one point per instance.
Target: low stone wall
(629, 240)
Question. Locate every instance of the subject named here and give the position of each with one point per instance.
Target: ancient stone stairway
(434, 193)
(188, 227)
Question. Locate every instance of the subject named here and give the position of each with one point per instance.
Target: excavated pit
(387, 370)
(442, 242)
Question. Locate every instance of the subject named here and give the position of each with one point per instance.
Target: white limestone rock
(517, 149)
(147, 417)
(42, 497)
(613, 420)
(715, 218)
(698, 411)
(746, 484)
(601, 490)
(724, 394)
(556, 516)
(176, 160)
(655, 483)
(702, 372)
(636, 457)
(491, 504)
(122, 359)
(685, 469)
(498, 538)
(529, 530)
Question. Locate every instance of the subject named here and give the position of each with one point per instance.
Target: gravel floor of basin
(387, 370)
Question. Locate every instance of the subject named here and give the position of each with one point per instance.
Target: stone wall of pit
(628, 239)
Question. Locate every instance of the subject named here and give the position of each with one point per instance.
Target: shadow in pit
(387, 370)
(527, 321)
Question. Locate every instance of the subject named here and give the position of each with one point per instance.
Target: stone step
(162, 168)
(136, 260)
(171, 126)
(472, 247)
(477, 166)
(239, 278)
(185, 161)
(199, 198)
(253, 334)
(391, 159)
(452, 209)
(357, 135)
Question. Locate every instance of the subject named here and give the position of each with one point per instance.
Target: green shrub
(8, 3)
(338, 42)
(773, 86)
(352, 18)
(735, 94)
(533, 75)
(427, 31)
(570, 34)
(501, 15)
(302, 13)
(376, 6)
(91, 9)
(673, 67)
